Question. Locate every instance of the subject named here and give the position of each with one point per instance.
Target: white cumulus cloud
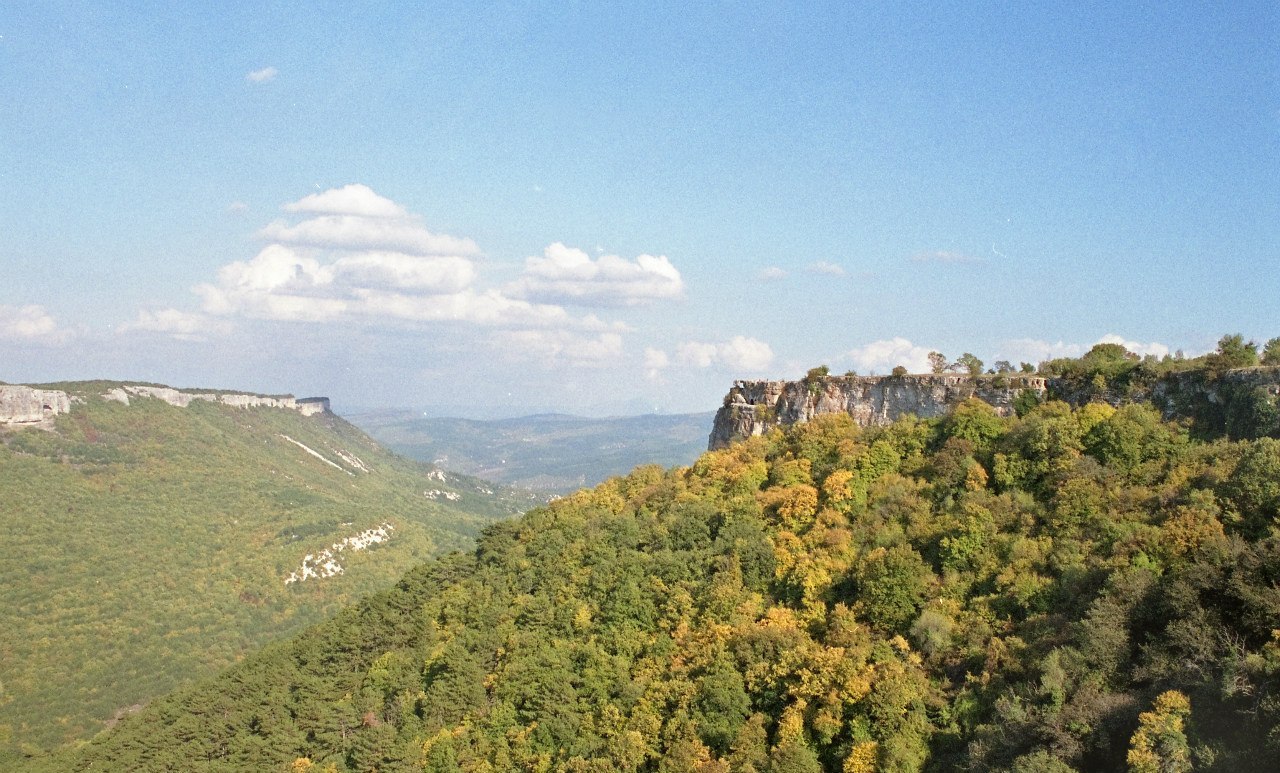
(262, 76)
(885, 355)
(30, 323)
(1137, 347)
(361, 232)
(1036, 351)
(353, 199)
(739, 354)
(568, 275)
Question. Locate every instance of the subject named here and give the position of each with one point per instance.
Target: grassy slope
(146, 545)
(553, 452)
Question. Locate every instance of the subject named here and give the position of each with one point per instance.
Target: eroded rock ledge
(26, 405)
(22, 405)
(755, 407)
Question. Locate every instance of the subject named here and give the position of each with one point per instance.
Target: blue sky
(596, 209)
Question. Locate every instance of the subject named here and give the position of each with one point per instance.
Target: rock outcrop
(27, 405)
(754, 407)
(307, 406)
(22, 405)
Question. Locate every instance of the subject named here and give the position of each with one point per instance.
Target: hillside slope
(148, 544)
(1068, 590)
(552, 453)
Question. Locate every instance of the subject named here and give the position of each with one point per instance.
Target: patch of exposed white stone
(317, 455)
(327, 562)
(352, 460)
(308, 406)
(436, 475)
(25, 405)
(436, 493)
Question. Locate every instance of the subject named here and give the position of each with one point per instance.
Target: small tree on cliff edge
(970, 363)
(937, 362)
(814, 377)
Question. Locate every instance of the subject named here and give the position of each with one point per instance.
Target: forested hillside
(1068, 590)
(146, 545)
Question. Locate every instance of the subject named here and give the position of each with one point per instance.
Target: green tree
(1271, 352)
(969, 363)
(937, 362)
(814, 377)
(722, 706)
(899, 371)
(1233, 352)
(892, 585)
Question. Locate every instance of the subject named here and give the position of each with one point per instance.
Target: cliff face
(307, 406)
(754, 407)
(26, 405)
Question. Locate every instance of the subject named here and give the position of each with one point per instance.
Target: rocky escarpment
(22, 405)
(27, 405)
(307, 406)
(754, 407)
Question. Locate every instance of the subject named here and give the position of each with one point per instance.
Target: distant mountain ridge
(549, 452)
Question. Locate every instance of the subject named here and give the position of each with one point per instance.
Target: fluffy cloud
(262, 76)
(1155, 348)
(885, 355)
(354, 199)
(1035, 351)
(739, 354)
(284, 284)
(826, 267)
(655, 361)
(182, 325)
(568, 275)
(30, 323)
(361, 232)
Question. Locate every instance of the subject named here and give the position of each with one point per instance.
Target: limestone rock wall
(23, 405)
(754, 407)
(26, 405)
(307, 406)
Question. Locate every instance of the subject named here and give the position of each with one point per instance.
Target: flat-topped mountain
(153, 535)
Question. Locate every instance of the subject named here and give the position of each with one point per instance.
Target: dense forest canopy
(1087, 589)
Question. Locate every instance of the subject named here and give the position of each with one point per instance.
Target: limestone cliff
(22, 405)
(307, 406)
(754, 407)
(1239, 403)
(27, 405)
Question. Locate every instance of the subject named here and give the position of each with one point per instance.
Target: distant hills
(147, 544)
(553, 453)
